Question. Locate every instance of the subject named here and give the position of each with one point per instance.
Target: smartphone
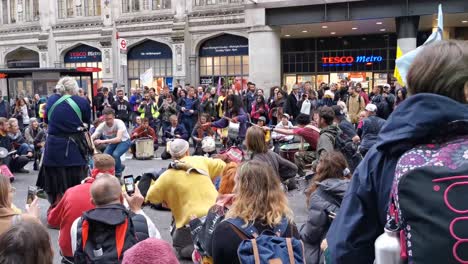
(129, 183)
(32, 190)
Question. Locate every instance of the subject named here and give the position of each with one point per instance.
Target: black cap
(338, 111)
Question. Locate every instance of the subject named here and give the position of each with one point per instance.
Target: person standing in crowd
(106, 100)
(309, 134)
(200, 93)
(189, 192)
(122, 108)
(371, 127)
(347, 129)
(277, 107)
(260, 201)
(152, 94)
(355, 105)
(249, 97)
(220, 103)
(4, 108)
(26, 242)
(74, 202)
(258, 150)
(438, 83)
(135, 100)
(143, 131)
(273, 91)
(207, 105)
(189, 110)
(164, 94)
(259, 108)
(149, 109)
(8, 212)
(21, 113)
(291, 107)
(106, 220)
(167, 109)
(116, 137)
(362, 93)
(65, 160)
(324, 198)
(236, 114)
(400, 96)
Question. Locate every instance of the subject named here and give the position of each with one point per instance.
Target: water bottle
(387, 245)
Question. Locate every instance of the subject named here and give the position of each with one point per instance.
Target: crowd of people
(231, 206)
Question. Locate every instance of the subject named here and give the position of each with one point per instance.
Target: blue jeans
(24, 149)
(117, 150)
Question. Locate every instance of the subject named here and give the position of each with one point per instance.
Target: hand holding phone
(129, 183)
(32, 190)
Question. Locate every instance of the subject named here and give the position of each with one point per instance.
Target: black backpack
(348, 148)
(98, 242)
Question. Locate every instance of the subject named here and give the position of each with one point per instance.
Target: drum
(144, 148)
(287, 151)
(208, 144)
(233, 130)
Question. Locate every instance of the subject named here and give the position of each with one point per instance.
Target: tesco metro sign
(349, 60)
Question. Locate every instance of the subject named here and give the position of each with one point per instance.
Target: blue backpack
(268, 247)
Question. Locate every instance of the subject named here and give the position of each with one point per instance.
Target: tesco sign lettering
(349, 60)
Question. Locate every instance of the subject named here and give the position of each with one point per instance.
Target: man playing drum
(309, 134)
(143, 131)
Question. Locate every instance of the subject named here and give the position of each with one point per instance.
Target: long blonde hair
(5, 201)
(259, 196)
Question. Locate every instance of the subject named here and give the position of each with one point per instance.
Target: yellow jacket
(187, 194)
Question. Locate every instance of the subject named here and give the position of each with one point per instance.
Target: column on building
(264, 50)
(407, 32)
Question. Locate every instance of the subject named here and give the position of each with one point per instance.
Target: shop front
(150, 58)
(370, 64)
(89, 59)
(224, 60)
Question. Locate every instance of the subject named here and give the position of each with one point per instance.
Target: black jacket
(291, 107)
(318, 220)
(122, 110)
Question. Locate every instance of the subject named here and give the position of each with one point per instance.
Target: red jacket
(141, 132)
(73, 204)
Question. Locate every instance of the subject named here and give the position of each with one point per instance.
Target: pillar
(193, 70)
(407, 32)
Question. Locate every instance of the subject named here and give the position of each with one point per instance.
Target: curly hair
(258, 195)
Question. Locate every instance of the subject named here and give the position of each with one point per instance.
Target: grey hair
(67, 85)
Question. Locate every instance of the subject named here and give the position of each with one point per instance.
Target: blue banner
(225, 45)
(150, 50)
(169, 81)
(83, 53)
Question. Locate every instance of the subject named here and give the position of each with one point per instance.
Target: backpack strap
(290, 250)
(120, 232)
(84, 232)
(59, 101)
(249, 231)
(282, 227)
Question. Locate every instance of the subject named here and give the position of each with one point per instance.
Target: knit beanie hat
(178, 148)
(151, 250)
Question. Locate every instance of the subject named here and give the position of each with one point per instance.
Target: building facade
(210, 42)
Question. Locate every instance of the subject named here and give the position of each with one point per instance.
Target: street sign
(88, 69)
(123, 44)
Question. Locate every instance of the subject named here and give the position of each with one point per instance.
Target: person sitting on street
(8, 212)
(346, 127)
(27, 242)
(74, 202)
(175, 130)
(143, 131)
(259, 201)
(110, 215)
(200, 132)
(283, 124)
(309, 134)
(115, 132)
(324, 197)
(188, 190)
(14, 162)
(370, 129)
(17, 139)
(32, 131)
(39, 144)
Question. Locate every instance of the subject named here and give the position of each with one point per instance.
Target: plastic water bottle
(387, 246)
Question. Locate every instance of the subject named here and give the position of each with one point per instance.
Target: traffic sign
(123, 44)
